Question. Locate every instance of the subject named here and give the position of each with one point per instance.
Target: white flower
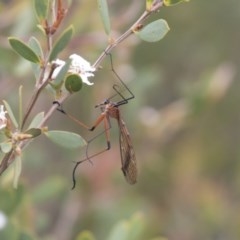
(3, 119)
(82, 67)
(78, 66)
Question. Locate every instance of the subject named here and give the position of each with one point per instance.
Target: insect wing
(128, 158)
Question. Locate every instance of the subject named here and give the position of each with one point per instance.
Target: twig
(9, 157)
(156, 6)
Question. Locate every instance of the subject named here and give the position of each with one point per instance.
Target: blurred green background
(183, 122)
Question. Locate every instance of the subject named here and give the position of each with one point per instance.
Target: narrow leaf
(154, 31)
(66, 139)
(17, 170)
(103, 9)
(61, 43)
(41, 8)
(36, 120)
(173, 2)
(10, 113)
(23, 50)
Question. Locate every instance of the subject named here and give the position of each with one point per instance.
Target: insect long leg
(128, 158)
(60, 109)
(107, 126)
(125, 100)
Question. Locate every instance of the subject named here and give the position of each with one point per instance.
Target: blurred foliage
(183, 121)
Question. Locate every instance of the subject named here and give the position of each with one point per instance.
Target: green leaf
(41, 8)
(103, 9)
(10, 113)
(61, 43)
(173, 2)
(73, 83)
(23, 50)
(66, 139)
(6, 147)
(35, 132)
(154, 31)
(62, 73)
(136, 227)
(35, 46)
(85, 235)
(120, 231)
(36, 120)
(149, 4)
(17, 170)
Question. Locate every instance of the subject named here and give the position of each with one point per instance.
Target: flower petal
(85, 79)
(78, 66)
(81, 64)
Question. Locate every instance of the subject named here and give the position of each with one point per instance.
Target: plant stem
(155, 7)
(36, 94)
(9, 157)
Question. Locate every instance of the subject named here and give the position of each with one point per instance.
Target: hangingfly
(111, 110)
(128, 159)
